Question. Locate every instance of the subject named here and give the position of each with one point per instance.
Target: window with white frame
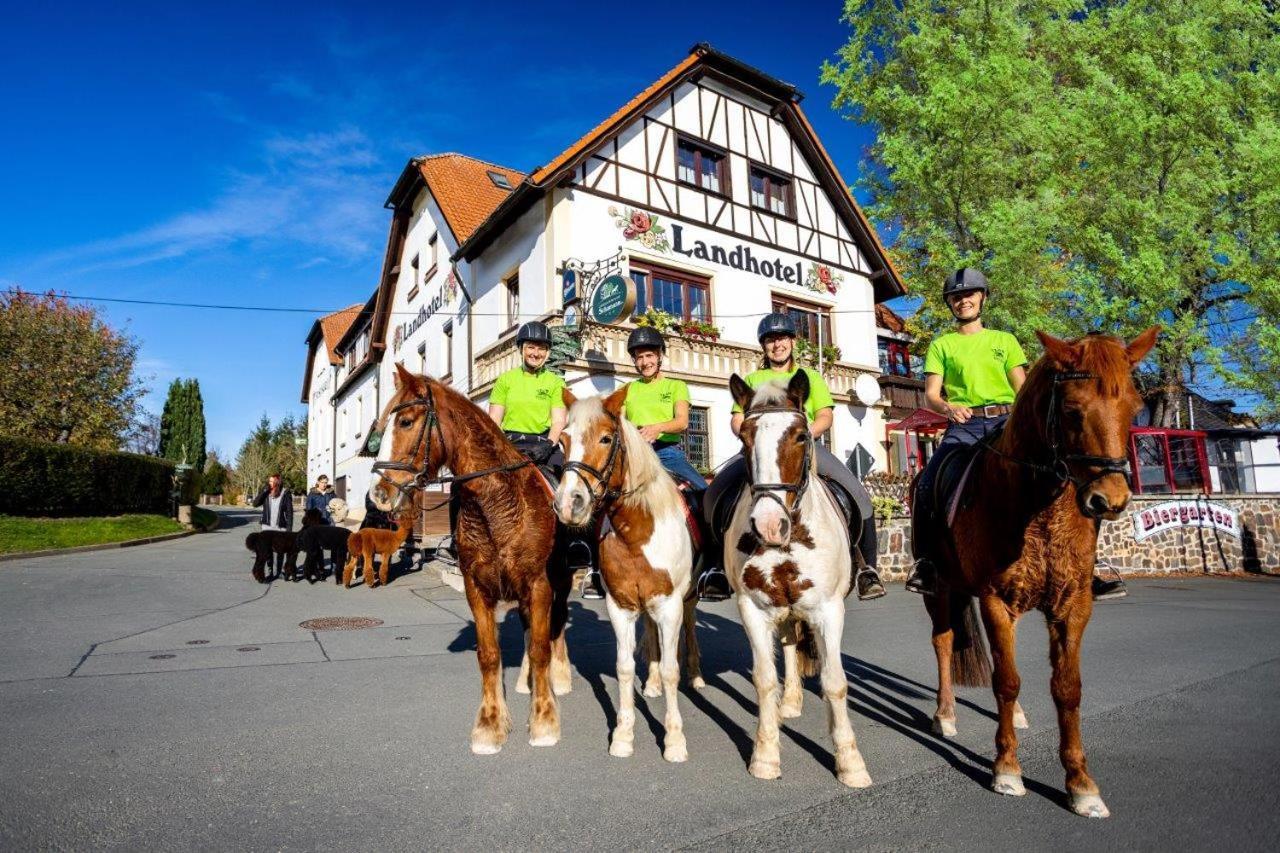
(513, 299)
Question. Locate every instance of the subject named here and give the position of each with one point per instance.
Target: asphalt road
(156, 697)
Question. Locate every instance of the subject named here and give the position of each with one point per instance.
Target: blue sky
(241, 153)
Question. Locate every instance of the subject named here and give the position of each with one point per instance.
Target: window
(359, 415)
(351, 359)
(448, 349)
(513, 300)
(1168, 460)
(895, 358)
(771, 191)
(422, 357)
(809, 318)
(413, 293)
(682, 295)
(695, 442)
(703, 166)
(499, 180)
(432, 247)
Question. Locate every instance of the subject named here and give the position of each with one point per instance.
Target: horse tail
(970, 662)
(807, 660)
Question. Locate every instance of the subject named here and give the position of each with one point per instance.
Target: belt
(991, 410)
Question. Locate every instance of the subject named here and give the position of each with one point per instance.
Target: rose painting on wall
(823, 279)
(642, 227)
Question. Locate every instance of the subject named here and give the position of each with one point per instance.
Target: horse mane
(484, 438)
(650, 487)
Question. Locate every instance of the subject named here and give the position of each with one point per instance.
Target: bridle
(1060, 465)
(430, 427)
(598, 488)
(798, 488)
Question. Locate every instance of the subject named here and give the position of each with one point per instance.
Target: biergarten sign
(613, 299)
(1149, 521)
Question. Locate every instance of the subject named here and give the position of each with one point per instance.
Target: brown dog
(266, 543)
(364, 544)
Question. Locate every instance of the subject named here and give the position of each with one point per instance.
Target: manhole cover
(340, 623)
(248, 649)
(197, 642)
(162, 657)
(404, 638)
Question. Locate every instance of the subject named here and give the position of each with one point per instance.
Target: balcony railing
(604, 350)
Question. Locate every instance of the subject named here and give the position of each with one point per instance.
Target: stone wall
(1254, 547)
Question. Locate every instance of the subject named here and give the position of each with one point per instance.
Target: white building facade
(708, 192)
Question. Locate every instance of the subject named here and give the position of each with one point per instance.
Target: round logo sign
(572, 316)
(614, 298)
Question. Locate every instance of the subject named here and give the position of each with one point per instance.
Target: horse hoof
(1009, 784)
(621, 749)
(765, 769)
(788, 711)
(485, 747)
(653, 691)
(855, 779)
(1020, 719)
(1089, 805)
(561, 688)
(697, 683)
(549, 739)
(522, 685)
(676, 753)
(945, 727)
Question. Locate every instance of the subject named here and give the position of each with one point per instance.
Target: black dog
(316, 538)
(283, 544)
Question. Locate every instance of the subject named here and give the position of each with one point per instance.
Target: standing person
(980, 371)
(319, 496)
(777, 336)
(277, 505)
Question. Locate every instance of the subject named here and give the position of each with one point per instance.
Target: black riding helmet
(533, 332)
(645, 337)
(776, 323)
(965, 279)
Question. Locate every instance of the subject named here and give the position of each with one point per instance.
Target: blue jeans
(677, 464)
(966, 434)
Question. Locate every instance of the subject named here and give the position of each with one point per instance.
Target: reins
(603, 475)
(798, 488)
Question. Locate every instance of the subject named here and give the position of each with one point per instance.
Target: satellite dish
(866, 389)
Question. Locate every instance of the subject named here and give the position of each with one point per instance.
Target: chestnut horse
(1024, 537)
(505, 536)
(646, 557)
(787, 557)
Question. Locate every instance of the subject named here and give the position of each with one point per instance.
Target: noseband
(1059, 466)
(798, 488)
(604, 475)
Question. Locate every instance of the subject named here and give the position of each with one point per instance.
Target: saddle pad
(953, 499)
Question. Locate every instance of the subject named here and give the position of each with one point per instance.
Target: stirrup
(714, 585)
(875, 589)
(917, 584)
(592, 588)
(445, 551)
(578, 555)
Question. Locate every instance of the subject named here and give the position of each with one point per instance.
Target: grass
(19, 534)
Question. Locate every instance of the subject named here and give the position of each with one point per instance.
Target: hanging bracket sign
(613, 299)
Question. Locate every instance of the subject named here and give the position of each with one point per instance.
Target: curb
(105, 546)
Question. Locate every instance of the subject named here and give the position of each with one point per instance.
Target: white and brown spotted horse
(646, 556)
(787, 556)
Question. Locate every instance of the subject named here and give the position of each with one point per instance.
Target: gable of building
(325, 333)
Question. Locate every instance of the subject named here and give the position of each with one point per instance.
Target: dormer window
(499, 180)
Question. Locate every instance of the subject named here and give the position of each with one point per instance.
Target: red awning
(921, 420)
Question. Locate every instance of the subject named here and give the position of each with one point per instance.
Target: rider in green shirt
(777, 334)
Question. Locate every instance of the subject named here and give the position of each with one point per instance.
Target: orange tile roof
(463, 189)
(887, 318)
(335, 325)
(623, 113)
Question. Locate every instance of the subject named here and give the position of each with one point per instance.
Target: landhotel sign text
(1151, 520)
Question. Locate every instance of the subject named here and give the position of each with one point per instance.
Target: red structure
(1168, 460)
(921, 422)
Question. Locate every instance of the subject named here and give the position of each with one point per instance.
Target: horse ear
(741, 391)
(1142, 344)
(614, 402)
(798, 388)
(567, 397)
(403, 378)
(1061, 352)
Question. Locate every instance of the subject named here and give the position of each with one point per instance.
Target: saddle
(722, 513)
(954, 469)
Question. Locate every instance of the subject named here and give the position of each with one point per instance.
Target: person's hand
(650, 433)
(958, 414)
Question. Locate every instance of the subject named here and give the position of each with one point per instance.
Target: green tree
(182, 424)
(254, 462)
(1111, 165)
(215, 476)
(65, 375)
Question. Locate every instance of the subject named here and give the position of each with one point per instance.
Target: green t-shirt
(655, 402)
(975, 368)
(528, 398)
(819, 393)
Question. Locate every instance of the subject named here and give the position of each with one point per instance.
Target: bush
(63, 479)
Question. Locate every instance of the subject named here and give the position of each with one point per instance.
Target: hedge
(61, 479)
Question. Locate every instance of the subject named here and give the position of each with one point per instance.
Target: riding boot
(1106, 589)
(867, 580)
(923, 578)
(713, 583)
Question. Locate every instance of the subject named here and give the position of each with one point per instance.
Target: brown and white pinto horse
(788, 559)
(646, 557)
(1027, 540)
(505, 536)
